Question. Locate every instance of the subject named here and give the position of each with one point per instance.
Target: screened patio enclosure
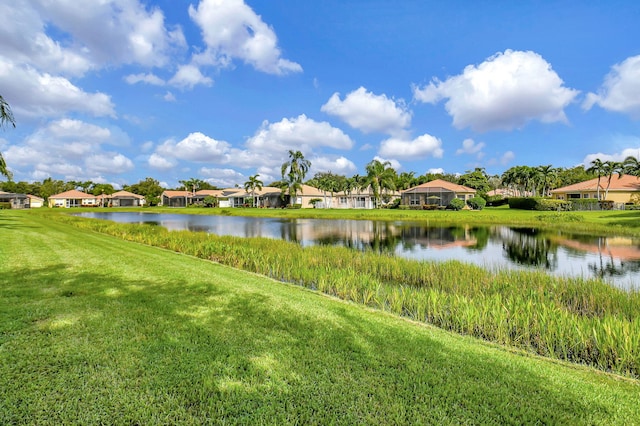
(437, 196)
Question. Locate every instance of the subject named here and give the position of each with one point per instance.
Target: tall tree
(598, 168)
(611, 168)
(192, 184)
(380, 177)
(149, 188)
(251, 185)
(294, 171)
(631, 166)
(6, 118)
(547, 176)
(476, 179)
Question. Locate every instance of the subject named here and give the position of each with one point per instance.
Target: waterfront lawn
(95, 330)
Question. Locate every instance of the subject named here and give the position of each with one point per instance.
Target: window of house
(343, 200)
(573, 196)
(414, 199)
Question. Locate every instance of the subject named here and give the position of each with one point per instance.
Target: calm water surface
(617, 260)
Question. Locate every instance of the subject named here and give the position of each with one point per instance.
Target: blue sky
(116, 91)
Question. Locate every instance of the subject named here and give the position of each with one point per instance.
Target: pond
(615, 259)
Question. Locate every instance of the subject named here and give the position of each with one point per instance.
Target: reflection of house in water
(360, 234)
(617, 247)
(439, 238)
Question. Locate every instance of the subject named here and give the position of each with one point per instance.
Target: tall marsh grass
(583, 321)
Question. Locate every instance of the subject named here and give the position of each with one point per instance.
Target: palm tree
(6, 117)
(611, 168)
(251, 185)
(547, 174)
(597, 167)
(294, 171)
(380, 177)
(631, 166)
(405, 180)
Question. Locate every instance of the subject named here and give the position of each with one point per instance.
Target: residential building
(124, 199)
(74, 198)
(437, 192)
(17, 201)
(621, 189)
(35, 202)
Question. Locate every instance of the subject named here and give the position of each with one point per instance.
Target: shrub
(294, 206)
(538, 203)
(315, 201)
(546, 204)
(522, 203)
(210, 201)
(496, 200)
(5, 206)
(430, 207)
(476, 203)
(403, 207)
(395, 204)
(456, 204)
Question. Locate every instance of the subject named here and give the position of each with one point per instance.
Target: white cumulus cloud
(469, 146)
(189, 76)
(503, 93)
(338, 165)
(223, 178)
(299, 133)
(196, 147)
(420, 147)
(147, 78)
(620, 91)
(616, 156)
(231, 29)
(35, 94)
(368, 112)
(159, 162)
(70, 149)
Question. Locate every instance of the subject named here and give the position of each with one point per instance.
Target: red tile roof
(125, 194)
(618, 183)
(73, 194)
(434, 185)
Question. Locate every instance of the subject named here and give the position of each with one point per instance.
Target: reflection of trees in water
(481, 235)
(289, 230)
(606, 267)
(527, 246)
(379, 237)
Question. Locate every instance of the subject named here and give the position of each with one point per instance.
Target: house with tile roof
(620, 189)
(74, 198)
(15, 201)
(437, 192)
(124, 199)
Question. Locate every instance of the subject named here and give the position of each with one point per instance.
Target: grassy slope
(94, 329)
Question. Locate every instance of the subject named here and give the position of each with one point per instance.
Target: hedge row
(538, 203)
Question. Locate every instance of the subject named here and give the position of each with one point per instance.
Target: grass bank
(95, 330)
(589, 222)
(583, 321)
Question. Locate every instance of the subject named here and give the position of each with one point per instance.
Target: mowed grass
(98, 330)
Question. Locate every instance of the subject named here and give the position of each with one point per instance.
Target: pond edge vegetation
(584, 321)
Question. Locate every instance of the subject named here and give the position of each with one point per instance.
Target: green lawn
(97, 330)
